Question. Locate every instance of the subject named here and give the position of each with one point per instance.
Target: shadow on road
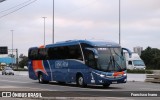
(88, 86)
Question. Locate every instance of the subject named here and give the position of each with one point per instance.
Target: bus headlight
(125, 74)
(101, 75)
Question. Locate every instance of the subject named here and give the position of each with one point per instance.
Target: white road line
(8, 86)
(14, 81)
(28, 87)
(151, 89)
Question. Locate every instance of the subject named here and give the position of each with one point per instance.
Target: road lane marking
(27, 87)
(14, 81)
(151, 89)
(6, 86)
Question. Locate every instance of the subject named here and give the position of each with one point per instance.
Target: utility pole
(44, 29)
(17, 58)
(53, 23)
(12, 47)
(119, 22)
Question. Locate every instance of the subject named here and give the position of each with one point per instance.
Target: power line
(15, 6)
(2, 0)
(17, 9)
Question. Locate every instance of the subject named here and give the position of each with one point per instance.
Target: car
(7, 71)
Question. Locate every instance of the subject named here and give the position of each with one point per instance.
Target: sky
(79, 19)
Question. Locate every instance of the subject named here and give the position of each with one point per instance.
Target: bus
(78, 61)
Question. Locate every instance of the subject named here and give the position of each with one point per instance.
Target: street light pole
(44, 29)
(12, 47)
(53, 22)
(119, 22)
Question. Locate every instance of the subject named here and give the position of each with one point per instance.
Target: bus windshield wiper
(116, 63)
(118, 54)
(109, 64)
(113, 63)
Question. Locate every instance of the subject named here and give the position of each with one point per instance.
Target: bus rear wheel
(106, 85)
(80, 81)
(41, 80)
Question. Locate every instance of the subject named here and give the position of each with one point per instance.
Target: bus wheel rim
(40, 78)
(80, 81)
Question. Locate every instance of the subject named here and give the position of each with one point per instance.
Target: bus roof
(90, 42)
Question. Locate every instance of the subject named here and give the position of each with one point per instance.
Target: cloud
(82, 19)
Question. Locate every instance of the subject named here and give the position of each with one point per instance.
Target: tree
(151, 57)
(23, 62)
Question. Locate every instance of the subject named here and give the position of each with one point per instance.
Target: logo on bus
(61, 64)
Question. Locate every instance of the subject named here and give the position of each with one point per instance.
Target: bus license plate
(114, 82)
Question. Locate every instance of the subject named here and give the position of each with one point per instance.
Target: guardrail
(153, 78)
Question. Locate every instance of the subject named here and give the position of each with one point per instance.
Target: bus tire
(106, 85)
(80, 81)
(41, 80)
(61, 83)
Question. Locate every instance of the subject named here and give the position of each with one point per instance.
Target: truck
(134, 62)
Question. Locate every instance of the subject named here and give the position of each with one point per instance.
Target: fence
(154, 78)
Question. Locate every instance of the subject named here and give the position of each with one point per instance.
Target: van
(134, 62)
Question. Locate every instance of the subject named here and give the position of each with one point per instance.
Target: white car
(7, 71)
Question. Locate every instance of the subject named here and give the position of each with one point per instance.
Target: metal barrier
(153, 78)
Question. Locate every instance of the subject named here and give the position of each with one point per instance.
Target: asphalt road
(23, 83)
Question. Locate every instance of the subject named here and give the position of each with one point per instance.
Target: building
(6, 60)
(138, 50)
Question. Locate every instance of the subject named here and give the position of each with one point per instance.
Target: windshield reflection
(110, 59)
(138, 63)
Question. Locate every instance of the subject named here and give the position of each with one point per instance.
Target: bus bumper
(101, 80)
(98, 77)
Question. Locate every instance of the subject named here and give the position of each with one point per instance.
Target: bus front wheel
(80, 81)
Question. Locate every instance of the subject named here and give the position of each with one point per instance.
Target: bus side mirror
(94, 51)
(91, 57)
(129, 52)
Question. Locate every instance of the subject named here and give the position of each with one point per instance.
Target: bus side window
(42, 54)
(75, 52)
(53, 53)
(56, 53)
(89, 58)
(65, 52)
(33, 54)
(129, 62)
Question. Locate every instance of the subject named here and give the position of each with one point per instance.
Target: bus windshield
(110, 59)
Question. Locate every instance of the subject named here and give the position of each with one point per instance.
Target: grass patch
(149, 72)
